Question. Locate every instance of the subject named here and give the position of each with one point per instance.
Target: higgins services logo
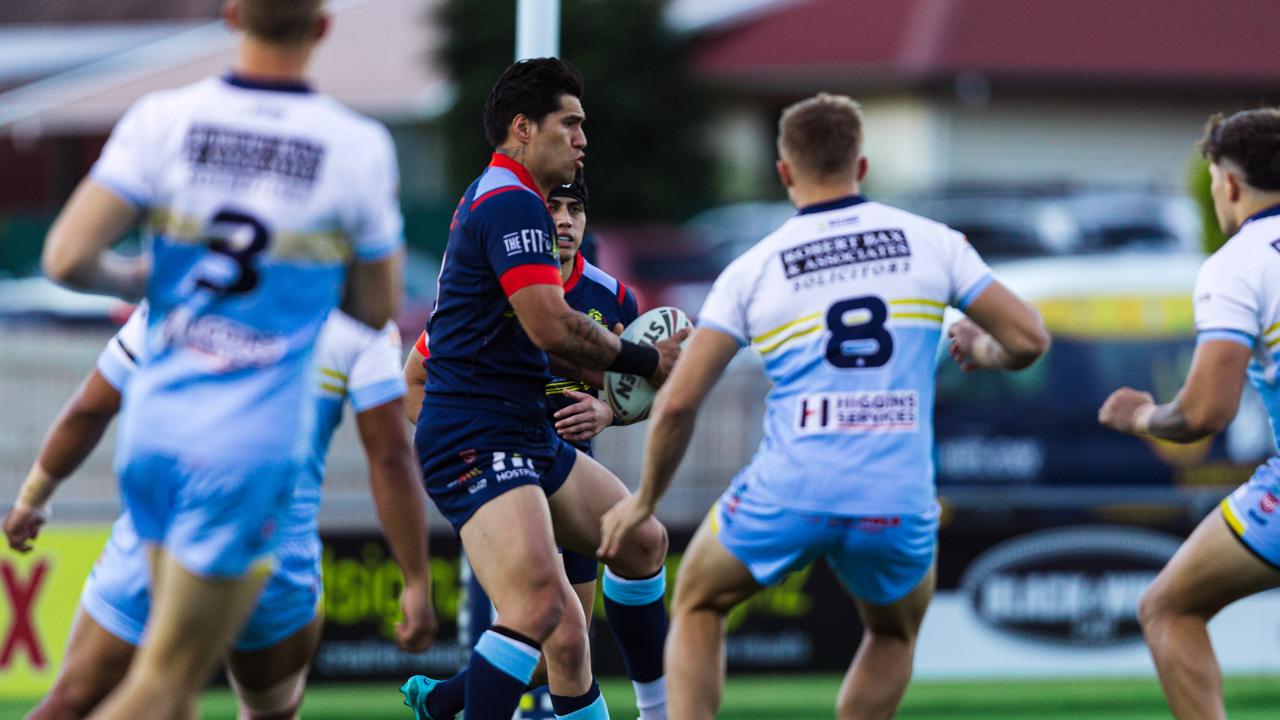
(1073, 586)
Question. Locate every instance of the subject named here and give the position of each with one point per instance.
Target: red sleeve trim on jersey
(522, 276)
(421, 346)
(622, 293)
(491, 193)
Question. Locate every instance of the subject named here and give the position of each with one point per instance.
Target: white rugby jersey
(844, 302)
(1237, 297)
(353, 363)
(255, 199)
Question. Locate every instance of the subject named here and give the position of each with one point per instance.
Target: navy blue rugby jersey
(600, 296)
(502, 239)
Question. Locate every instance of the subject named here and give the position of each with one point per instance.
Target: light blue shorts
(117, 596)
(217, 519)
(1253, 512)
(878, 558)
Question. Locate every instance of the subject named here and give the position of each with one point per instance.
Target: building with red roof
(962, 90)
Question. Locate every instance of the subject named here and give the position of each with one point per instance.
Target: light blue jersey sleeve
(377, 376)
(378, 226)
(119, 359)
(970, 276)
(125, 166)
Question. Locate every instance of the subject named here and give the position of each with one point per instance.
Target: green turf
(808, 697)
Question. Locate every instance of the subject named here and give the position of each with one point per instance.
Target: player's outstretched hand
(584, 419)
(1119, 412)
(22, 525)
(418, 629)
(963, 334)
(668, 354)
(617, 524)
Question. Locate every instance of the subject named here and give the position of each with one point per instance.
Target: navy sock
(565, 706)
(447, 698)
(501, 666)
(638, 619)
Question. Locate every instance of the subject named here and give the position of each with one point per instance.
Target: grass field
(809, 697)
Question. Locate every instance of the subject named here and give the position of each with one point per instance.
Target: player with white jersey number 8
(844, 302)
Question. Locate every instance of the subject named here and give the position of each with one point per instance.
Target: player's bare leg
(587, 494)
(269, 682)
(510, 545)
(881, 669)
(193, 620)
(95, 663)
(512, 552)
(1210, 571)
(635, 582)
(710, 583)
(586, 593)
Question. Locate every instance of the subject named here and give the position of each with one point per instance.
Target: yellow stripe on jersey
(799, 333)
(1230, 514)
(334, 374)
(1272, 343)
(1271, 329)
(558, 388)
(713, 517)
(337, 389)
(321, 246)
(765, 336)
(915, 316)
(919, 301)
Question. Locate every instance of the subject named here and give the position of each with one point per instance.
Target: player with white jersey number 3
(845, 304)
(264, 205)
(270, 657)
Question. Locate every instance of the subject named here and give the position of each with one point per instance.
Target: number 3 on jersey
(859, 338)
(239, 238)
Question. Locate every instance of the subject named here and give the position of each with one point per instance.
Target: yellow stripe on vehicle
(781, 328)
(1230, 514)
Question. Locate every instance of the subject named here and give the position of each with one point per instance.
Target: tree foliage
(646, 157)
(1211, 237)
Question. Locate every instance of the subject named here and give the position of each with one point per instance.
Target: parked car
(1031, 439)
(1002, 222)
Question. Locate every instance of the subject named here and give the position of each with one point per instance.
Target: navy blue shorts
(579, 568)
(472, 455)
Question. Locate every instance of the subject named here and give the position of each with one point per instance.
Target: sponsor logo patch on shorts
(859, 412)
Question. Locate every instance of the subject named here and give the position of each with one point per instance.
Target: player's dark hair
(576, 190)
(822, 134)
(283, 22)
(1251, 140)
(532, 88)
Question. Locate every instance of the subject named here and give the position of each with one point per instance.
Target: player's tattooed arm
(563, 368)
(585, 342)
(1205, 406)
(559, 329)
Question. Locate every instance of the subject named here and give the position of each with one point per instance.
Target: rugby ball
(631, 396)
